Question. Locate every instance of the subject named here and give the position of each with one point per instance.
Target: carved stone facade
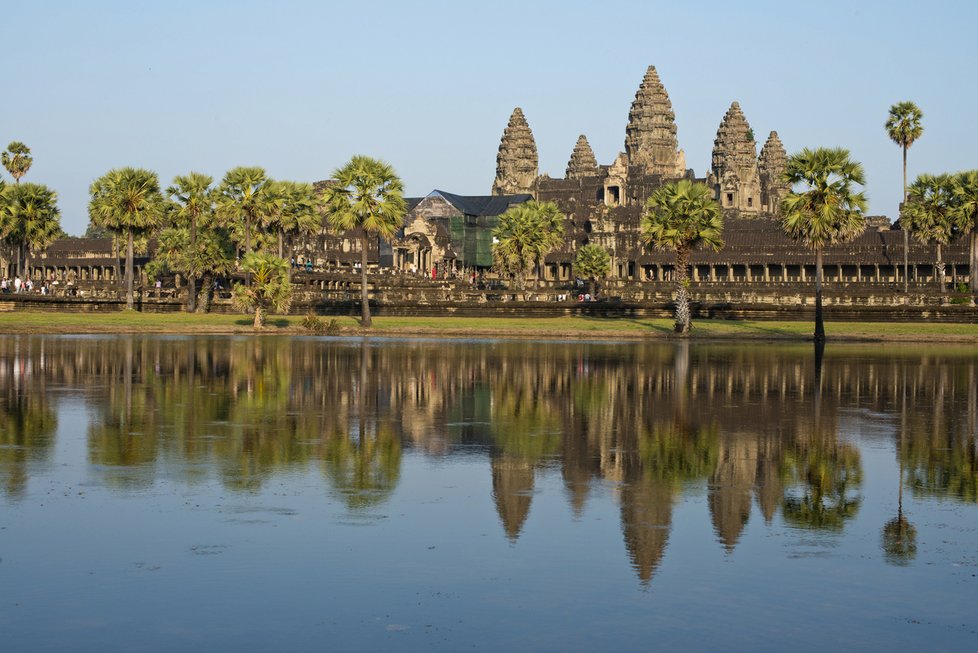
(734, 173)
(516, 163)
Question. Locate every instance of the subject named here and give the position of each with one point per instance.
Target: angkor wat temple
(448, 236)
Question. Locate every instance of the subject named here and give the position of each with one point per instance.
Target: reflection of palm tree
(826, 475)
(365, 470)
(27, 426)
(899, 537)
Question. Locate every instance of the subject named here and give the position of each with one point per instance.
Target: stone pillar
(804, 274)
(730, 274)
(747, 274)
(767, 272)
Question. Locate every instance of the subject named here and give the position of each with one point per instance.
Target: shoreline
(557, 328)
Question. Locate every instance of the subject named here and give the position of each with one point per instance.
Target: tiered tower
(735, 175)
(771, 166)
(650, 138)
(516, 162)
(582, 162)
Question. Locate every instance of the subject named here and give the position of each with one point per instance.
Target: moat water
(287, 494)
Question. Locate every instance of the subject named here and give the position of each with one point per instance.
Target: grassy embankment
(557, 327)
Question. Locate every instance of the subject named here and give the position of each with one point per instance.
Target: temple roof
(482, 205)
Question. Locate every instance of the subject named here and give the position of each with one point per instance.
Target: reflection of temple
(637, 424)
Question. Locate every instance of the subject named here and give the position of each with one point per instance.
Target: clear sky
(299, 87)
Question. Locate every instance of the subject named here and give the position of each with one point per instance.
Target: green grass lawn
(49, 322)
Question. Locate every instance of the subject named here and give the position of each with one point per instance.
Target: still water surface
(285, 494)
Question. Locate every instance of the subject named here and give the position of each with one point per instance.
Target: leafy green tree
(244, 203)
(593, 263)
(269, 287)
(294, 213)
(966, 207)
(826, 210)
(904, 128)
(930, 214)
(193, 242)
(524, 235)
(368, 196)
(29, 220)
(17, 160)
(681, 216)
(127, 201)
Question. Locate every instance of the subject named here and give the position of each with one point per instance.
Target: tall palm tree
(826, 210)
(524, 235)
(681, 216)
(127, 201)
(904, 128)
(17, 160)
(29, 220)
(966, 201)
(930, 213)
(369, 196)
(191, 201)
(244, 202)
(294, 212)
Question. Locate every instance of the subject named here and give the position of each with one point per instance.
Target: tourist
(159, 288)
(17, 284)
(4, 286)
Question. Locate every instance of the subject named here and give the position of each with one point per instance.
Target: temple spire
(516, 162)
(735, 163)
(650, 138)
(771, 166)
(582, 162)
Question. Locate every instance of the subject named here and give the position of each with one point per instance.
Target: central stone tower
(650, 138)
(516, 163)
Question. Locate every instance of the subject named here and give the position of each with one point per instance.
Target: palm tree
(127, 201)
(966, 201)
(244, 202)
(269, 287)
(930, 213)
(904, 128)
(827, 210)
(191, 201)
(592, 262)
(524, 235)
(680, 216)
(17, 160)
(293, 213)
(369, 196)
(29, 220)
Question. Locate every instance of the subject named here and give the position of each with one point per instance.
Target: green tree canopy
(680, 216)
(592, 262)
(524, 235)
(245, 204)
(823, 206)
(930, 214)
(29, 220)
(369, 196)
(127, 201)
(269, 287)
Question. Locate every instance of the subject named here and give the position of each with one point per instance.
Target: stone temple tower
(582, 162)
(771, 166)
(516, 162)
(735, 175)
(650, 138)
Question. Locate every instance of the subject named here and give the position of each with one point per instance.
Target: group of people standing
(18, 286)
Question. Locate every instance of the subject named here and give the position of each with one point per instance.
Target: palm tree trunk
(941, 282)
(906, 233)
(973, 263)
(259, 316)
(20, 260)
(364, 302)
(207, 283)
(682, 326)
(191, 272)
(118, 270)
(819, 321)
(129, 274)
(27, 262)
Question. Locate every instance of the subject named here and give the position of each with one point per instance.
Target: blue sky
(299, 87)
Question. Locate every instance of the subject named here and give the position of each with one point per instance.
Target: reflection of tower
(769, 487)
(512, 491)
(646, 517)
(730, 489)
